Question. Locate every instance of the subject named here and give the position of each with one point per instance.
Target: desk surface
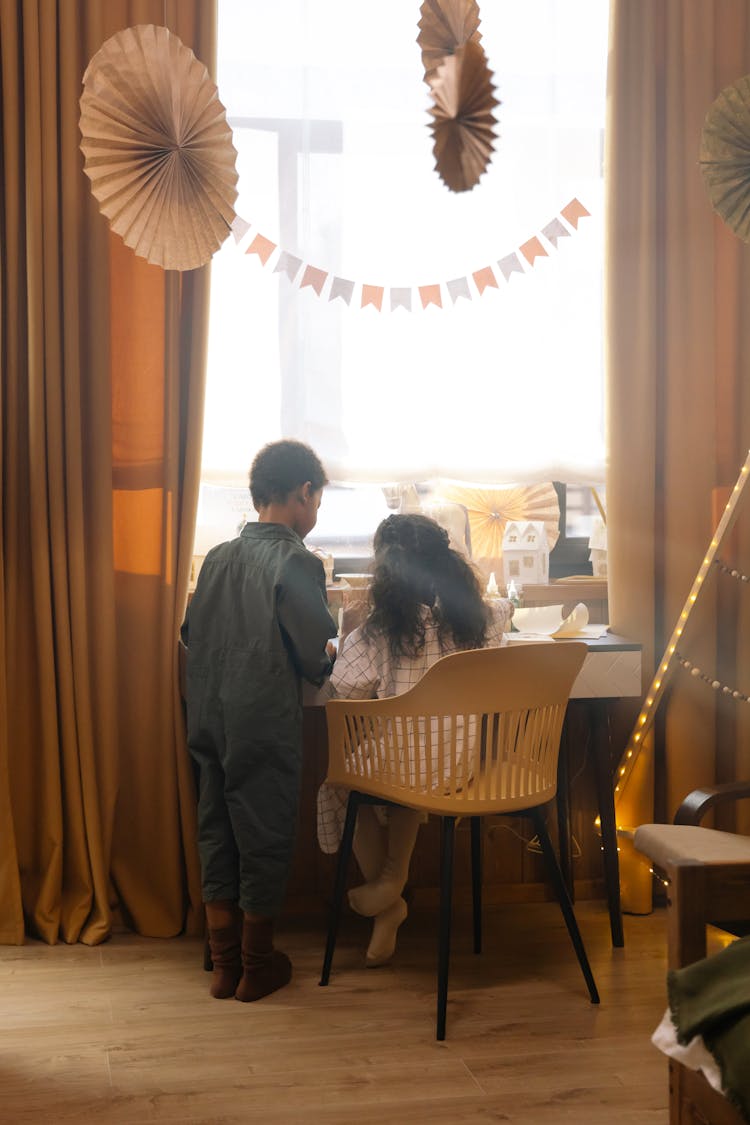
(611, 670)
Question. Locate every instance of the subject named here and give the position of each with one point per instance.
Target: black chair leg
(476, 880)
(558, 882)
(345, 852)
(447, 834)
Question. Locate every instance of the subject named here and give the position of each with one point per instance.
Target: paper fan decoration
(157, 147)
(489, 510)
(444, 26)
(464, 125)
(725, 156)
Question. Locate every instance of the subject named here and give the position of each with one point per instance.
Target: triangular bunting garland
(400, 297)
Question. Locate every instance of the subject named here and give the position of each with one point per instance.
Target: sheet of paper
(548, 621)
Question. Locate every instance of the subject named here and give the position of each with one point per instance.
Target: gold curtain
(678, 330)
(100, 424)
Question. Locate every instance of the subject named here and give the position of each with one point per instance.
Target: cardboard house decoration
(525, 552)
(598, 549)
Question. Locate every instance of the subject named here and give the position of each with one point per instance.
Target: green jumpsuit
(257, 624)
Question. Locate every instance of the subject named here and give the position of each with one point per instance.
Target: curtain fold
(103, 363)
(677, 291)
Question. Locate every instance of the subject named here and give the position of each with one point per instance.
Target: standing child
(425, 602)
(257, 624)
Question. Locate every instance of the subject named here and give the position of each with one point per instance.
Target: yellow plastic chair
(478, 735)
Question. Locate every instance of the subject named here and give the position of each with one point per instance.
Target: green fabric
(711, 998)
(258, 623)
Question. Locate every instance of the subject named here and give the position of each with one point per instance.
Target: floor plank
(127, 1033)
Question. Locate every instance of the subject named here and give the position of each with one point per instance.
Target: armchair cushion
(689, 843)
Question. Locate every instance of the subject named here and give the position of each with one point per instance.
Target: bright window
(330, 117)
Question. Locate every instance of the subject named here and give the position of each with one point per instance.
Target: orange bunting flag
(430, 295)
(261, 246)
(313, 277)
(484, 279)
(574, 211)
(533, 249)
(372, 295)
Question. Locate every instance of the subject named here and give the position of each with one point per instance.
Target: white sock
(384, 931)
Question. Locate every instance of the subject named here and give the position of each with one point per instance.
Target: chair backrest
(479, 732)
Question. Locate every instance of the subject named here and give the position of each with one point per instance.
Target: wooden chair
(708, 881)
(478, 735)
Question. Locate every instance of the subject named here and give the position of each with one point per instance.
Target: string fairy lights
(671, 654)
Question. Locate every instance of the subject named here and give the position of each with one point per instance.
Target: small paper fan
(444, 26)
(157, 147)
(464, 125)
(725, 156)
(490, 509)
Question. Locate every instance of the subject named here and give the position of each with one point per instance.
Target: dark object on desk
(512, 701)
(709, 879)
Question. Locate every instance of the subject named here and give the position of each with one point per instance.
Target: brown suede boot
(264, 969)
(224, 932)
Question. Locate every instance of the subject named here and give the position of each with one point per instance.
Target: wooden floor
(127, 1033)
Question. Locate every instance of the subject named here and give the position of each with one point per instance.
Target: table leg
(606, 798)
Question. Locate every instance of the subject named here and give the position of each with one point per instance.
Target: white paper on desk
(548, 621)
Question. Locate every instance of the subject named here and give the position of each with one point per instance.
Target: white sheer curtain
(330, 117)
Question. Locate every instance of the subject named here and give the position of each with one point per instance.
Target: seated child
(425, 602)
(257, 624)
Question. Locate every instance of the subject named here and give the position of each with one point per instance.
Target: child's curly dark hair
(414, 565)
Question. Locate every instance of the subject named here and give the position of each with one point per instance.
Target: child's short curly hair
(282, 466)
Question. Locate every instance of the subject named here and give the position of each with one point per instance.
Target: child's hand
(331, 649)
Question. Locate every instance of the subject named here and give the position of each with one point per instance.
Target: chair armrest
(700, 801)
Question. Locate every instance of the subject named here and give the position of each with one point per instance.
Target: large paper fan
(444, 26)
(490, 509)
(157, 147)
(464, 125)
(725, 156)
